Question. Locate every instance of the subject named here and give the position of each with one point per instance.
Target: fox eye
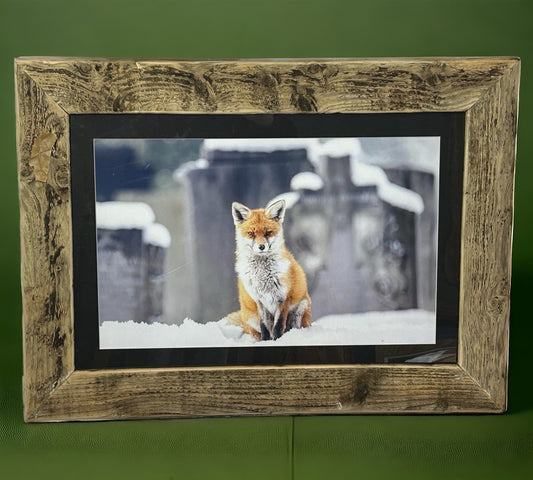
(268, 233)
(251, 234)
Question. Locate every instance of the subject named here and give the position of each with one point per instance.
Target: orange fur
(259, 227)
(235, 318)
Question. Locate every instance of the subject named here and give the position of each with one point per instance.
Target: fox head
(259, 230)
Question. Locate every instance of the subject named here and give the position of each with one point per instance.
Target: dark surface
(410, 447)
(83, 130)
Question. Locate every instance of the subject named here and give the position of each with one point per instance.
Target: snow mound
(183, 170)
(291, 199)
(412, 153)
(123, 215)
(340, 147)
(157, 234)
(307, 181)
(372, 328)
(364, 175)
(132, 215)
(158, 335)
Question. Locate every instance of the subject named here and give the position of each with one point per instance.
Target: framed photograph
(265, 237)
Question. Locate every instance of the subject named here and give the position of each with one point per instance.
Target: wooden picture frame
(49, 90)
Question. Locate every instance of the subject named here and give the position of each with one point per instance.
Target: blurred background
(468, 446)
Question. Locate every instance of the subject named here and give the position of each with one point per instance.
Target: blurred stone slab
(249, 171)
(131, 251)
(423, 183)
(358, 251)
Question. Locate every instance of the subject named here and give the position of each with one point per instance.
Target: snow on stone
(364, 174)
(132, 215)
(371, 328)
(340, 147)
(157, 234)
(307, 181)
(291, 198)
(258, 144)
(186, 167)
(413, 153)
(123, 215)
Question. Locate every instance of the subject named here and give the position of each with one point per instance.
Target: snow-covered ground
(372, 328)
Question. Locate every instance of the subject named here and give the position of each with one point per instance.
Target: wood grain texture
(49, 90)
(488, 201)
(46, 253)
(112, 394)
(325, 86)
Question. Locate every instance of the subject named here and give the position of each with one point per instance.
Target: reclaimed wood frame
(48, 90)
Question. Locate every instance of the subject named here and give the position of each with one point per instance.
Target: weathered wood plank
(179, 392)
(46, 256)
(326, 86)
(487, 235)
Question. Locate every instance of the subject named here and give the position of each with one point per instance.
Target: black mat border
(84, 128)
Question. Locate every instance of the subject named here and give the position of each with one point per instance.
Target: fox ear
(240, 212)
(276, 211)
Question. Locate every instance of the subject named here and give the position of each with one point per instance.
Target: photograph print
(236, 242)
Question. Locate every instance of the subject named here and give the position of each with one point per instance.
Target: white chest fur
(262, 277)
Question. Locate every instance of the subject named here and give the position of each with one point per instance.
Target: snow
(258, 144)
(157, 234)
(184, 169)
(291, 198)
(420, 153)
(413, 153)
(340, 147)
(307, 181)
(123, 215)
(117, 335)
(371, 328)
(132, 215)
(363, 174)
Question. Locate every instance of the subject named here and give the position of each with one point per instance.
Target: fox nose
(262, 246)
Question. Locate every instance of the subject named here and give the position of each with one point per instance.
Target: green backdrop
(410, 447)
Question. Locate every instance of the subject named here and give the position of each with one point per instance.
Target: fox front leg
(280, 322)
(267, 321)
(294, 318)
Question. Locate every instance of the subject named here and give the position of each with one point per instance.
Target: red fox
(272, 285)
